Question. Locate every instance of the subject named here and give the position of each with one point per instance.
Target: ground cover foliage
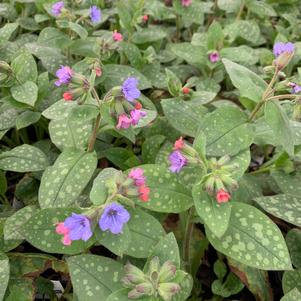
(150, 150)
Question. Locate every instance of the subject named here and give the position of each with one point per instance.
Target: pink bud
(61, 229)
(222, 196)
(117, 36)
(124, 122)
(186, 3)
(179, 143)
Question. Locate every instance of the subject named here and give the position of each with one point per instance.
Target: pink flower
(144, 193)
(137, 175)
(98, 71)
(223, 196)
(214, 57)
(145, 18)
(117, 36)
(62, 230)
(185, 90)
(179, 144)
(124, 122)
(186, 3)
(68, 96)
(136, 115)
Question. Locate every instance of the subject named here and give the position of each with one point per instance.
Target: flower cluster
(57, 8)
(78, 226)
(139, 181)
(295, 88)
(158, 281)
(130, 115)
(280, 48)
(186, 3)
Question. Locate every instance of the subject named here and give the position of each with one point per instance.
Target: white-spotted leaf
(4, 274)
(26, 93)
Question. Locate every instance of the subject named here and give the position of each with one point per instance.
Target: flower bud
(134, 294)
(209, 184)
(154, 265)
(223, 160)
(185, 90)
(134, 274)
(5, 67)
(297, 112)
(283, 59)
(146, 288)
(167, 271)
(168, 290)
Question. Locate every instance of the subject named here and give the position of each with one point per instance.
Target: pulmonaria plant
(95, 14)
(57, 8)
(214, 57)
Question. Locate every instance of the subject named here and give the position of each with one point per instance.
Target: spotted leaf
(23, 158)
(26, 93)
(4, 274)
(293, 241)
(291, 280)
(62, 183)
(292, 295)
(94, 277)
(167, 194)
(39, 231)
(252, 239)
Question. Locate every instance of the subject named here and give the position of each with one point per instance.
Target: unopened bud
(223, 160)
(134, 294)
(209, 184)
(167, 271)
(154, 265)
(4, 67)
(134, 274)
(168, 290)
(146, 288)
(283, 59)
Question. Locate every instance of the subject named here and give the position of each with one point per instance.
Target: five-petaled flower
(185, 90)
(144, 193)
(64, 75)
(130, 90)
(95, 14)
(124, 122)
(222, 196)
(186, 3)
(62, 230)
(117, 36)
(68, 96)
(136, 115)
(280, 48)
(177, 161)
(137, 175)
(295, 88)
(57, 8)
(179, 144)
(113, 218)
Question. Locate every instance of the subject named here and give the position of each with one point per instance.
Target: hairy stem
(187, 239)
(94, 134)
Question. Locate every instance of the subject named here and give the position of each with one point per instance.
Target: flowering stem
(94, 93)
(187, 238)
(241, 9)
(94, 134)
(285, 96)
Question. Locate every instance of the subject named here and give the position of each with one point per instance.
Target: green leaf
(6, 31)
(133, 54)
(115, 75)
(227, 131)
(27, 93)
(23, 158)
(249, 84)
(252, 239)
(103, 184)
(242, 55)
(25, 68)
(62, 183)
(183, 116)
(262, 9)
(94, 277)
(292, 295)
(8, 116)
(39, 231)
(4, 274)
(151, 147)
(215, 36)
(229, 6)
(59, 110)
(186, 283)
(231, 286)
(26, 119)
(13, 226)
(173, 83)
(277, 119)
(284, 206)
(291, 280)
(288, 183)
(7, 245)
(52, 37)
(81, 31)
(242, 160)
(215, 216)
(146, 232)
(167, 194)
(293, 241)
(3, 183)
(257, 281)
(83, 113)
(149, 35)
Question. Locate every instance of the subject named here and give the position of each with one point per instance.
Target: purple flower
(57, 8)
(129, 89)
(137, 175)
(214, 57)
(280, 48)
(95, 14)
(137, 115)
(113, 218)
(177, 161)
(295, 88)
(79, 227)
(64, 75)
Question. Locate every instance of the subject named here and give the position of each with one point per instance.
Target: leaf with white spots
(186, 282)
(115, 75)
(150, 148)
(242, 161)
(167, 193)
(26, 119)
(215, 216)
(39, 231)
(288, 183)
(8, 116)
(67, 133)
(249, 84)
(293, 241)
(62, 183)
(94, 277)
(7, 245)
(146, 232)
(59, 110)
(26, 93)
(25, 68)
(4, 274)
(284, 206)
(14, 224)
(227, 131)
(116, 243)
(291, 280)
(6, 31)
(103, 184)
(184, 116)
(23, 158)
(252, 239)
(148, 35)
(292, 295)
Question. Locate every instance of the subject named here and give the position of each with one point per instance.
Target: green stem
(178, 20)
(187, 239)
(241, 9)
(285, 96)
(260, 170)
(94, 134)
